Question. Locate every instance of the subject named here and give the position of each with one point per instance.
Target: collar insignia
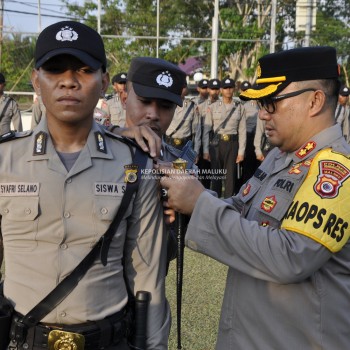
(306, 149)
(100, 142)
(165, 79)
(66, 34)
(130, 173)
(40, 143)
(246, 190)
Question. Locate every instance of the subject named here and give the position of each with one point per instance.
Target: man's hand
(239, 159)
(183, 189)
(145, 137)
(206, 156)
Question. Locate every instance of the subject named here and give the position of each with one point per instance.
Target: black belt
(96, 335)
(228, 137)
(177, 141)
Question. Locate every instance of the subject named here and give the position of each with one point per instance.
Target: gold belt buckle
(226, 137)
(177, 142)
(61, 340)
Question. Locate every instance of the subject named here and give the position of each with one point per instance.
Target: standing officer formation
(226, 132)
(9, 111)
(285, 236)
(62, 184)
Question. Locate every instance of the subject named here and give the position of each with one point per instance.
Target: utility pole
(157, 28)
(99, 16)
(1, 29)
(39, 16)
(214, 43)
(273, 26)
(308, 25)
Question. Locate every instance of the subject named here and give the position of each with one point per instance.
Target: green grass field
(204, 282)
(203, 287)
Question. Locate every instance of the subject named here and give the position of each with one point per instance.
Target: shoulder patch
(321, 208)
(13, 135)
(127, 141)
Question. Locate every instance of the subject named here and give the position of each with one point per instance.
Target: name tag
(19, 189)
(110, 189)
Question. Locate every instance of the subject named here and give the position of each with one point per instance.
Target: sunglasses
(269, 103)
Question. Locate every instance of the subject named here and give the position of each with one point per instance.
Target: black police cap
(120, 78)
(344, 91)
(228, 83)
(214, 84)
(277, 70)
(203, 83)
(245, 85)
(157, 78)
(72, 38)
(2, 79)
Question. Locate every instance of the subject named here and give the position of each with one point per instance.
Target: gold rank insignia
(40, 143)
(306, 149)
(100, 142)
(130, 173)
(268, 204)
(258, 71)
(180, 164)
(246, 190)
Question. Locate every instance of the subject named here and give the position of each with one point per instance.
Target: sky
(22, 15)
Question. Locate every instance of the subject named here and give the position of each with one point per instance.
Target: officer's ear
(105, 83)
(35, 82)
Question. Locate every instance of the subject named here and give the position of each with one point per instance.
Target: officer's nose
(68, 79)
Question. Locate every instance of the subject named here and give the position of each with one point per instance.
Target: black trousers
(223, 157)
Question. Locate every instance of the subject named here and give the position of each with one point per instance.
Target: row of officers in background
(226, 133)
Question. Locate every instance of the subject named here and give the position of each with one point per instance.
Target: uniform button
(68, 181)
(6, 211)
(104, 211)
(66, 214)
(25, 346)
(64, 246)
(63, 314)
(27, 211)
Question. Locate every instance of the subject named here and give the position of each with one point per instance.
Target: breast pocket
(19, 222)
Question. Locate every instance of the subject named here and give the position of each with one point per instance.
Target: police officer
(113, 104)
(38, 111)
(250, 163)
(285, 236)
(228, 138)
(61, 186)
(201, 101)
(185, 125)
(9, 111)
(213, 96)
(342, 112)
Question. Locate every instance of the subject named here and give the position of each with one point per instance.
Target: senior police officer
(185, 125)
(113, 105)
(227, 138)
(61, 187)
(285, 236)
(9, 110)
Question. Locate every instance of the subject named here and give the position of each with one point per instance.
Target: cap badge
(215, 82)
(66, 34)
(165, 79)
(258, 70)
(123, 76)
(227, 81)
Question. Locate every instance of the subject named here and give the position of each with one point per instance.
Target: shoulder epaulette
(13, 135)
